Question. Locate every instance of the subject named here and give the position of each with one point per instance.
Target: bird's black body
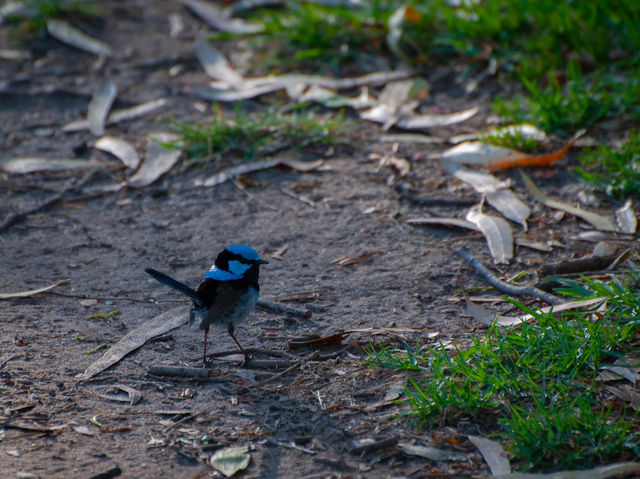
(228, 292)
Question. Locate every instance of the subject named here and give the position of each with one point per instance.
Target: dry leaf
(134, 395)
(99, 106)
(158, 160)
(421, 121)
(349, 260)
(221, 19)
(232, 173)
(63, 31)
(157, 326)
(432, 453)
(120, 149)
(558, 308)
(626, 218)
(216, 65)
(538, 160)
(524, 131)
(497, 232)
(596, 220)
(31, 292)
(493, 453)
(120, 115)
(479, 153)
(230, 460)
(30, 165)
(280, 251)
(435, 220)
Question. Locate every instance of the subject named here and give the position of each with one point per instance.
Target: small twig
(276, 308)
(403, 189)
(275, 377)
(180, 372)
(253, 198)
(301, 198)
(71, 186)
(506, 287)
(184, 419)
(374, 446)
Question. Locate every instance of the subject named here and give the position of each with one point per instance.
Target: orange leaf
(411, 14)
(539, 160)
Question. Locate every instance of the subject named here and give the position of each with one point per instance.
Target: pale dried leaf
(624, 371)
(432, 453)
(158, 160)
(31, 292)
(558, 308)
(134, 395)
(84, 430)
(120, 115)
(221, 19)
(332, 99)
(497, 232)
(157, 326)
(493, 453)
(63, 31)
(621, 469)
(479, 153)
(231, 173)
(604, 249)
(412, 138)
(421, 121)
(480, 314)
(120, 149)
(393, 96)
(99, 106)
(6, 54)
(626, 218)
(20, 166)
(599, 221)
(216, 65)
(230, 460)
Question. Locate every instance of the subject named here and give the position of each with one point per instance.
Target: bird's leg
(247, 358)
(206, 334)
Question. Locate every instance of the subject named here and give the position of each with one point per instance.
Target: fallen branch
(181, 372)
(579, 265)
(506, 287)
(17, 217)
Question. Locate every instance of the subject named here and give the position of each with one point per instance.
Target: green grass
(534, 386)
(247, 136)
(616, 172)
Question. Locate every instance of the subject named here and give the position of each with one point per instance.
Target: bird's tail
(175, 284)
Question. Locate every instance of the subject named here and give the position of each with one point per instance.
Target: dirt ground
(304, 424)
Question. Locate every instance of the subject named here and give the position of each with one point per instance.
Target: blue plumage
(227, 294)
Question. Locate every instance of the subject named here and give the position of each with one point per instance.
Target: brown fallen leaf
(349, 260)
(539, 160)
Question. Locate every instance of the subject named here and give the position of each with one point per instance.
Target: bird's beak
(262, 261)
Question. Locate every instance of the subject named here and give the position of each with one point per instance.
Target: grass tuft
(538, 382)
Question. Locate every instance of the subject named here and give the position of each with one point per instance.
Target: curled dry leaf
(158, 160)
(19, 166)
(538, 160)
(441, 221)
(626, 218)
(599, 221)
(221, 19)
(479, 153)
(120, 149)
(432, 453)
(216, 65)
(63, 31)
(493, 453)
(349, 260)
(496, 192)
(120, 115)
(99, 106)
(230, 460)
(430, 120)
(497, 232)
(232, 173)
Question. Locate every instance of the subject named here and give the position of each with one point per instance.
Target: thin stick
(17, 217)
(506, 287)
(275, 377)
(276, 308)
(405, 193)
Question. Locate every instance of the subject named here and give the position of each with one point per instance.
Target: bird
(227, 293)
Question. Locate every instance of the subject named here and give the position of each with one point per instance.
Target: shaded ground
(306, 423)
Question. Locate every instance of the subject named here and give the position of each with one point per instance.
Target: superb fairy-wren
(228, 292)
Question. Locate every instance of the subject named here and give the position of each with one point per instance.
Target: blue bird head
(233, 262)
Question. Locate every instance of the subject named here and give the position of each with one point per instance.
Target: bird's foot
(246, 361)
